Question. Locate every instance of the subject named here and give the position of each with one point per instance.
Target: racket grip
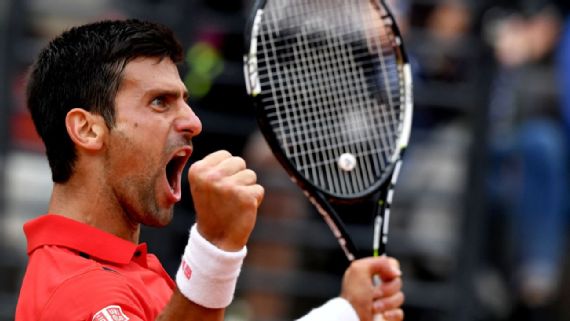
(377, 282)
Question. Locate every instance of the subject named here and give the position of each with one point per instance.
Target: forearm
(180, 308)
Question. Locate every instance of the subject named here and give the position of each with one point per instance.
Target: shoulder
(60, 284)
(84, 297)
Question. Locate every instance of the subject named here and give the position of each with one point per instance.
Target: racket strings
(358, 146)
(327, 173)
(328, 93)
(349, 183)
(290, 97)
(386, 62)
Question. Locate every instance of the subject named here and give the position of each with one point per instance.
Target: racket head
(332, 94)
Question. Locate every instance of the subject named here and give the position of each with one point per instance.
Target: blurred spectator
(400, 9)
(563, 63)
(529, 147)
(449, 20)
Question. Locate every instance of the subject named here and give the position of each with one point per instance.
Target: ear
(85, 129)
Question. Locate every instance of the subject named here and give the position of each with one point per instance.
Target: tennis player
(109, 104)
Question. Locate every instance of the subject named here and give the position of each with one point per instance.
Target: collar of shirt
(51, 229)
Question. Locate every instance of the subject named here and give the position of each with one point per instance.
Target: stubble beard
(139, 202)
(135, 193)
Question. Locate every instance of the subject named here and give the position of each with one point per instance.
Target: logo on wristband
(186, 269)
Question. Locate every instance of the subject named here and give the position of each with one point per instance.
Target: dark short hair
(83, 68)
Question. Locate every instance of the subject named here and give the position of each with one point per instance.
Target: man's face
(150, 142)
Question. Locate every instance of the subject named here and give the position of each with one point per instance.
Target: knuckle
(207, 178)
(351, 268)
(239, 161)
(394, 262)
(195, 168)
(398, 284)
(394, 315)
(261, 193)
(250, 175)
(213, 176)
(224, 153)
(397, 300)
(225, 187)
(392, 286)
(358, 265)
(250, 198)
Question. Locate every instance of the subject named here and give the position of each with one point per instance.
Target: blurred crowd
(528, 148)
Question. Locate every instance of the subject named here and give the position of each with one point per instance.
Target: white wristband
(337, 309)
(208, 275)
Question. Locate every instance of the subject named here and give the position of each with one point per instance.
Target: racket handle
(377, 282)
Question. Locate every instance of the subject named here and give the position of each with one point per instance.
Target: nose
(188, 122)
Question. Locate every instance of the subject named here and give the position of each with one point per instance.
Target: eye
(159, 102)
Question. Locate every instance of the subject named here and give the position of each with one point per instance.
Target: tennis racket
(332, 91)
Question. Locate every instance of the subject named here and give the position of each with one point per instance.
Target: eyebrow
(168, 92)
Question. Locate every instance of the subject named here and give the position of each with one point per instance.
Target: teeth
(182, 153)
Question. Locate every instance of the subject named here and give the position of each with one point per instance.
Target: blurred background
(480, 215)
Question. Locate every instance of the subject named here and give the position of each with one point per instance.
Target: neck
(90, 205)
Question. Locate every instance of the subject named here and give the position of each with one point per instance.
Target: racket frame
(381, 192)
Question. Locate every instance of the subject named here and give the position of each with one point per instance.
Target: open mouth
(174, 170)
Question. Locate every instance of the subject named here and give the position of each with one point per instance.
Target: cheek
(129, 155)
(146, 137)
(137, 148)
(132, 176)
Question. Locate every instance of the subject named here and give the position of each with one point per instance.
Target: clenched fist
(226, 198)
